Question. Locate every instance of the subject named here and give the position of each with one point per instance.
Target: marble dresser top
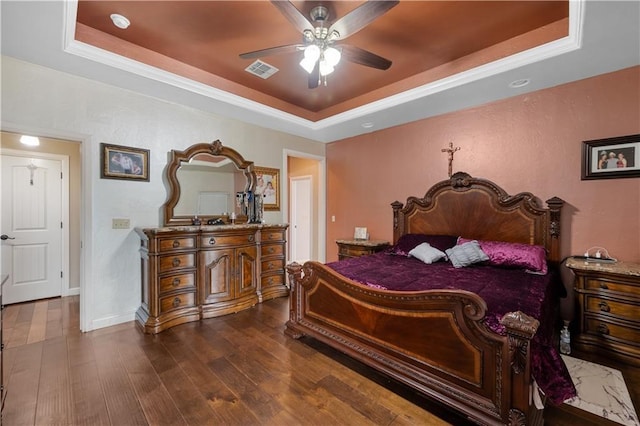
(208, 228)
(622, 268)
(365, 243)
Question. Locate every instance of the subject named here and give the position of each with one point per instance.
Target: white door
(301, 212)
(32, 239)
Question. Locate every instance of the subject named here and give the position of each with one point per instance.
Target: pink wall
(531, 143)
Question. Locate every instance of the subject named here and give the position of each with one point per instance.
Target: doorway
(69, 152)
(304, 195)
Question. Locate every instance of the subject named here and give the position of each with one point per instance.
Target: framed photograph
(360, 234)
(269, 186)
(611, 158)
(123, 162)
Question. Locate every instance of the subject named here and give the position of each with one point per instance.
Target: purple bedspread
(504, 290)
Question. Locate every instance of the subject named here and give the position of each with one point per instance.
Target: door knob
(6, 237)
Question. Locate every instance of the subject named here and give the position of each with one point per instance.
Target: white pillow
(426, 253)
(466, 254)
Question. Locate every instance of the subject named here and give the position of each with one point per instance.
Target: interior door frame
(64, 167)
(321, 238)
(87, 154)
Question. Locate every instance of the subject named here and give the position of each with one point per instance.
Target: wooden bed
(489, 380)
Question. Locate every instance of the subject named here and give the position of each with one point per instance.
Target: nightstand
(357, 248)
(608, 309)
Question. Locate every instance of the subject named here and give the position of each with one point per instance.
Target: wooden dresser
(195, 272)
(357, 248)
(608, 309)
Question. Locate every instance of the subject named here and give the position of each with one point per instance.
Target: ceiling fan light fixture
(308, 65)
(312, 53)
(325, 68)
(332, 56)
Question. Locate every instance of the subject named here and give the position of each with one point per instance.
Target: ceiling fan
(322, 46)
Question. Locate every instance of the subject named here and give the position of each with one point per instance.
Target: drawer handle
(176, 262)
(251, 238)
(212, 241)
(271, 265)
(271, 250)
(176, 282)
(176, 302)
(176, 243)
(270, 280)
(604, 286)
(271, 236)
(603, 329)
(604, 307)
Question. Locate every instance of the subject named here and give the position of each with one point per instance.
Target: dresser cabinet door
(246, 261)
(217, 275)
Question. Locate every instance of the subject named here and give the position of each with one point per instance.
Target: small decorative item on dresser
(357, 248)
(608, 302)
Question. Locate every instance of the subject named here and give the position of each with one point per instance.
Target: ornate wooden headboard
(479, 209)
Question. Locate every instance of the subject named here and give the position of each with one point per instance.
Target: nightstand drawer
(617, 286)
(619, 309)
(606, 329)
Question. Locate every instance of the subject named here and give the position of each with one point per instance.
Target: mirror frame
(178, 157)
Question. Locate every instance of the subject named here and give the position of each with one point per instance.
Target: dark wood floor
(235, 370)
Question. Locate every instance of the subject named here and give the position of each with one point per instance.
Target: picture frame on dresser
(269, 186)
(611, 158)
(123, 162)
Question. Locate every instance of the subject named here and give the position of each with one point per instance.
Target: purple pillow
(514, 255)
(408, 242)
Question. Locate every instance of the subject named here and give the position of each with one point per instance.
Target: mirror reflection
(209, 184)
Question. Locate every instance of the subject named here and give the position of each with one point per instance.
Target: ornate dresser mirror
(204, 181)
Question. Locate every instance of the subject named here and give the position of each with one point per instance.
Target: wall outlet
(120, 223)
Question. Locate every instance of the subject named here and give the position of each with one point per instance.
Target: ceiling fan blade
(364, 57)
(289, 48)
(360, 17)
(314, 77)
(293, 15)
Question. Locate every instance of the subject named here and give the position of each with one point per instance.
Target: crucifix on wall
(450, 151)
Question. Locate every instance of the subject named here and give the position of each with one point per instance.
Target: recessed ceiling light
(120, 21)
(367, 125)
(519, 83)
(29, 140)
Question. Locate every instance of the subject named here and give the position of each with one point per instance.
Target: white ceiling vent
(261, 69)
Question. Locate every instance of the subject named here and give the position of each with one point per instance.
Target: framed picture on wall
(269, 187)
(122, 162)
(610, 158)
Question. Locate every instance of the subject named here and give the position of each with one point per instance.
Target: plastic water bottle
(565, 339)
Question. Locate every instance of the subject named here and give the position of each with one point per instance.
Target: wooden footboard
(433, 341)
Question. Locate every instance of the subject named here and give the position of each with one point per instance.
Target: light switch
(120, 223)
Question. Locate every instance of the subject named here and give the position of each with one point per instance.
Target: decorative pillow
(466, 254)
(408, 242)
(533, 258)
(426, 253)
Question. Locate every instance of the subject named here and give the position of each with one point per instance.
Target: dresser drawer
(213, 240)
(272, 250)
(177, 243)
(617, 286)
(177, 261)
(620, 309)
(599, 326)
(177, 301)
(272, 265)
(271, 280)
(177, 282)
(268, 235)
